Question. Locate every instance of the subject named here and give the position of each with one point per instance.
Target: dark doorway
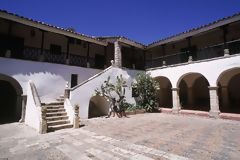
(8, 103)
(99, 61)
(74, 80)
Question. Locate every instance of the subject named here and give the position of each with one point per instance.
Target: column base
(67, 61)
(88, 65)
(175, 110)
(226, 52)
(214, 114)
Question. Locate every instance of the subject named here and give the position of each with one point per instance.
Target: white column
(214, 105)
(176, 100)
(117, 54)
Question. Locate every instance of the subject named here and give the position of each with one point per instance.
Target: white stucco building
(198, 69)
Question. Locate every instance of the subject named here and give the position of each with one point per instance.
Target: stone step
(56, 118)
(55, 110)
(57, 127)
(60, 99)
(53, 123)
(54, 103)
(61, 96)
(52, 114)
(55, 107)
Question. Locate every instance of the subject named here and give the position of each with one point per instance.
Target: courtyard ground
(143, 136)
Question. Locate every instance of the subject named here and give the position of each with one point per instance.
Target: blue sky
(142, 20)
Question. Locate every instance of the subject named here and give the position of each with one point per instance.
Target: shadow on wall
(98, 106)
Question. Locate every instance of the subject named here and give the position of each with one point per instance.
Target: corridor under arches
(228, 91)
(10, 100)
(194, 92)
(98, 106)
(164, 94)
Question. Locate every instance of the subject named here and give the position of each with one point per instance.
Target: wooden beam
(10, 24)
(68, 42)
(42, 42)
(189, 45)
(225, 32)
(163, 50)
(88, 50)
(105, 55)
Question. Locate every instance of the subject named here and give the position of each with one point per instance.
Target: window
(55, 49)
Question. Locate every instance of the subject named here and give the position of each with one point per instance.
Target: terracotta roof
(49, 25)
(158, 42)
(120, 37)
(195, 29)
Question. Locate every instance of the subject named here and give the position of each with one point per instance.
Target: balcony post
(9, 52)
(144, 59)
(41, 58)
(133, 57)
(225, 32)
(67, 54)
(189, 46)
(88, 53)
(105, 56)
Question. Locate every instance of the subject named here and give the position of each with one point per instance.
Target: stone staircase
(57, 116)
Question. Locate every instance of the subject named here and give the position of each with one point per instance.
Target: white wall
(50, 79)
(210, 69)
(83, 94)
(32, 113)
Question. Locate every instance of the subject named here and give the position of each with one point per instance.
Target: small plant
(146, 87)
(129, 106)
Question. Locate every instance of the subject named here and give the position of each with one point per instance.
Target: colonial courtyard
(142, 136)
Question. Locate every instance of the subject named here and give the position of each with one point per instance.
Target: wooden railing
(199, 54)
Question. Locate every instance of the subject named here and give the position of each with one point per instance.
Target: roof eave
(194, 32)
(49, 28)
(124, 40)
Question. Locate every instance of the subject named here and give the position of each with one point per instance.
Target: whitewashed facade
(197, 70)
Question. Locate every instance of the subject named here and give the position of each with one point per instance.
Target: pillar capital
(223, 87)
(212, 87)
(175, 89)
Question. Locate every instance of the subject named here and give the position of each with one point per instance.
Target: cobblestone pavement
(140, 137)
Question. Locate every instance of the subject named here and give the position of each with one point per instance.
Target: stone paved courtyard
(143, 136)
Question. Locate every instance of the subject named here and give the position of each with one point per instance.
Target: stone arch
(164, 94)
(11, 99)
(194, 92)
(98, 106)
(228, 90)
